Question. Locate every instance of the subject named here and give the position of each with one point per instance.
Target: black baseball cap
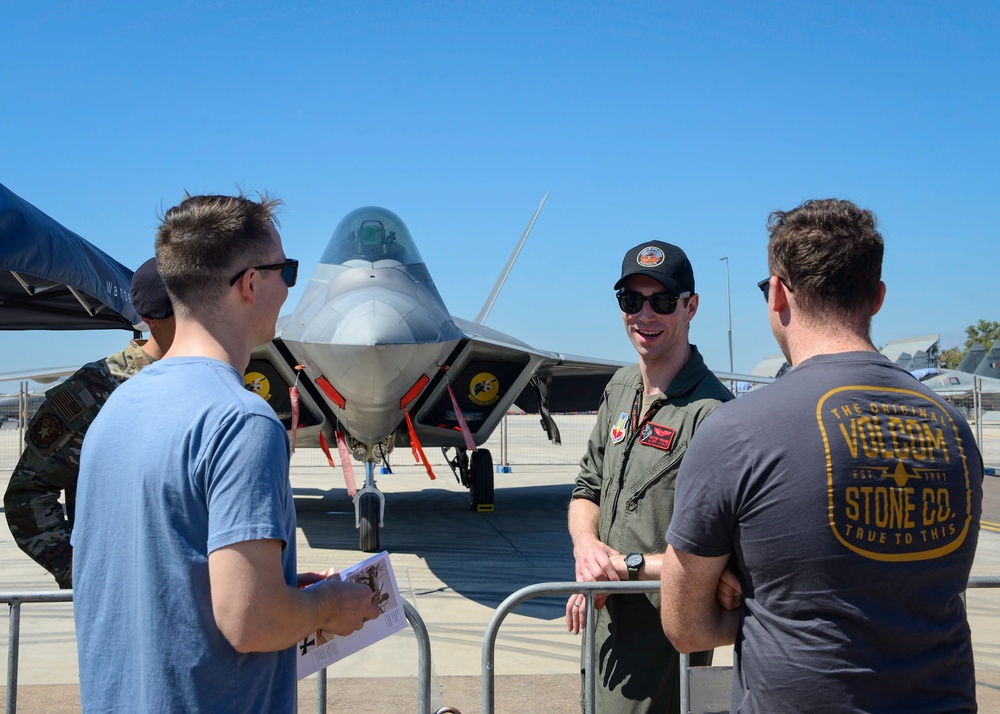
(149, 294)
(665, 263)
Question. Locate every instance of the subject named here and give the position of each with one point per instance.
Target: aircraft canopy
(371, 235)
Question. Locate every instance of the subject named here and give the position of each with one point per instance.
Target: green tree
(984, 333)
(949, 358)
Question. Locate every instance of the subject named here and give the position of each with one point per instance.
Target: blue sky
(686, 122)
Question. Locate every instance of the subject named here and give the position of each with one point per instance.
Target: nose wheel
(369, 512)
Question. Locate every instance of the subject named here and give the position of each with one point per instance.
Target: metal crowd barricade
(14, 640)
(708, 689)
(589, 590)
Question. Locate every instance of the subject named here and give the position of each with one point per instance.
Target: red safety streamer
(416, 448)
(326, 450)
(293, 397)
(345, 462)
(469, 443)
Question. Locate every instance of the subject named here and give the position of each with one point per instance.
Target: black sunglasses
(662, 303)
(289, 271)
(765, 287)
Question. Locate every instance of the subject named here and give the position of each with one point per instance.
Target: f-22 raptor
(379, 362)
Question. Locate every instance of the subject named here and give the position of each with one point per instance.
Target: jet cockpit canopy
(371, 235)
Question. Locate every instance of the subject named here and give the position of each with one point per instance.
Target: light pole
(729, 303)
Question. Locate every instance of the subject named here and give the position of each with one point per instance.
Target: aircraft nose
(372, 335)
(371, 308)
(381, 317)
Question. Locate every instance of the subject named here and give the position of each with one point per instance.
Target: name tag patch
(657, 436)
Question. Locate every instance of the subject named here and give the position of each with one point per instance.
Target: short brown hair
(204, 240)
(829, 253)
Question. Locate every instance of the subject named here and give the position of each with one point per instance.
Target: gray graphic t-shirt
(850, 495)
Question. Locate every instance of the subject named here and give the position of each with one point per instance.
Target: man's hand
(576, 613)
(729, 592)
(346, 606)
(306, 579)
(594, 563)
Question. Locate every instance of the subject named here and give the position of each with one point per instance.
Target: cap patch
(649, 257)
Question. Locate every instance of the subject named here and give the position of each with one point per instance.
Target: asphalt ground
(455, 566)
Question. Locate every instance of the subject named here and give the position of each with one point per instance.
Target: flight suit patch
(618, 430)
(658, 436)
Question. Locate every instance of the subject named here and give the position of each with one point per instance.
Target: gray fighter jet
(978, 369)
(383, 364)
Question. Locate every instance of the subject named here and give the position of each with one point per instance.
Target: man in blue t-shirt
(846, 494)
(186, 594)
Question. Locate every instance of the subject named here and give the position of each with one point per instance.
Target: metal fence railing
(15, 600)
(690, 704)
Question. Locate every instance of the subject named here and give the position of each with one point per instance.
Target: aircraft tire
(368, 526)
(481, 487)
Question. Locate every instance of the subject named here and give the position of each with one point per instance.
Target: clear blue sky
(687, 122)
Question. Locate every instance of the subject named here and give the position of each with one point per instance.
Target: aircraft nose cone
(372, 335)
(378, 317)
(361, 307)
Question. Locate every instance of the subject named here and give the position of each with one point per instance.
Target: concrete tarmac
(455, 566)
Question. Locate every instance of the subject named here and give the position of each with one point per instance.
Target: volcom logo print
(908, 494)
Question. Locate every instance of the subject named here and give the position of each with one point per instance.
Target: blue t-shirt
(181, 461)
(850, 496)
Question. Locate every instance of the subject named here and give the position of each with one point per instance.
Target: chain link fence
(521, 440)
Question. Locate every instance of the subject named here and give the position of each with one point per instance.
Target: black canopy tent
(52, 279)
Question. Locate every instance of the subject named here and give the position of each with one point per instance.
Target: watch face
(633, 560)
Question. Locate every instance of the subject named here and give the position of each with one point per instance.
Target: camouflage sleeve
(50, 465)
(36, 518)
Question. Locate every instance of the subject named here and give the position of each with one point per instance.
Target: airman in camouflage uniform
(51, 459)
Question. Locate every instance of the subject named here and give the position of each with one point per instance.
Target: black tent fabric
(52, 279)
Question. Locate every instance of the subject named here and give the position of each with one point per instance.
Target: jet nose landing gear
(369, 511)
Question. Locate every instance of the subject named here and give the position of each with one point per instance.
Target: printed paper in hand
(322, 649)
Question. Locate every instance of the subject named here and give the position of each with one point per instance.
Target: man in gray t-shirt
(848, 496)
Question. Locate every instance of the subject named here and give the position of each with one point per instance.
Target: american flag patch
(68, 405)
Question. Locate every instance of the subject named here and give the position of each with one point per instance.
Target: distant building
(910, 353)
(771, 366)
(914, 352)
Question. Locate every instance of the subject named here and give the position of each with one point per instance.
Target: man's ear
(248, 284)
(779, 296)
(692, 307)
(879, 298)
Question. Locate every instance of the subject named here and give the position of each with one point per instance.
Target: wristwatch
(634, 561)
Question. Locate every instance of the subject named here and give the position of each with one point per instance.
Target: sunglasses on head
(765, 287)
(289, 271)
(662, 303)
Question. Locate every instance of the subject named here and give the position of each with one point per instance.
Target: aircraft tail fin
(990, 365)
(484, 313)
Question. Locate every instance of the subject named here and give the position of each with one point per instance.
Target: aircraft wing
(43, 376)
(570, 383)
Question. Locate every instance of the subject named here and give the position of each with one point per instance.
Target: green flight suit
(629, 470)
